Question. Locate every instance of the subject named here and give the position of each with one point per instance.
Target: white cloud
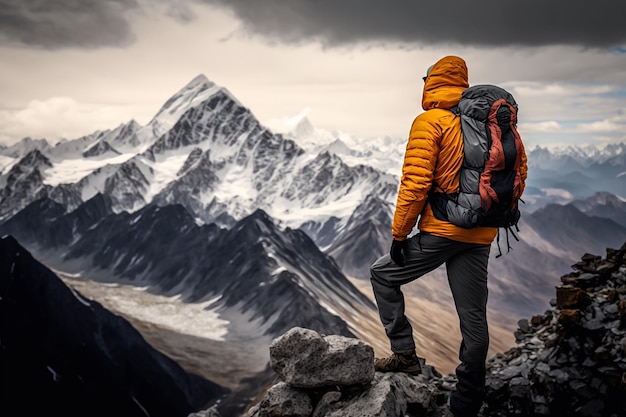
(602, 126)
(549, 126)
(568, 108)
(557, 192)
(537, 89)
(369, 91)
(286, 124)
(59, 117)
(611, 124)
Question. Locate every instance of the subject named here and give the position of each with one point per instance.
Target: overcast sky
(70, 67)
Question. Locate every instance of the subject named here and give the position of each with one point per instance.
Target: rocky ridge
(569, 361)
(70, 353)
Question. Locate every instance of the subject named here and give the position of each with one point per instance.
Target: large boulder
(303, 358)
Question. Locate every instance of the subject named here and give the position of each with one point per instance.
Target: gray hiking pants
(466, 266)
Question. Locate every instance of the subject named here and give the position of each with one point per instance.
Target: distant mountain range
(206, 152)
(203, 150)
(557, 175)
(575, 172)
(277, 278)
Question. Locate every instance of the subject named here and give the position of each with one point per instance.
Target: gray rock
(542, 410)
(384, 399)
(324, 405)
(594, 324)
(283, 400)
(303, 358)
(523, 325)
(560, 375)
(581, 388)
(412, 389)
(600, 386)
(510, 372)
(209, 412)
(545, 355)
(594, 408)
(614, 324)
(589, 363)
(519, 387)
(519, 360)
(495, 384)
(542, 367)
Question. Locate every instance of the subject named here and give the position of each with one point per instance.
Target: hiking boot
(399, 362)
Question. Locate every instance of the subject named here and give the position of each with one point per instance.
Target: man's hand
(397, 251)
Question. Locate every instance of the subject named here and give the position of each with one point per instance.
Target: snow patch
(73, 170)
(164, 172)
(6, 162)
(79, 298)
(194, 319)
(55, 375)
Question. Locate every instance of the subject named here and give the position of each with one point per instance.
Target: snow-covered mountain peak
(195, 92)
(583, 151)
(605, 198)
(35, 159)
(383, 153)
(25, 146)
(259, 224)
(198, 81)
(303, 128)
(337, 147)
(300, 129)
(615, 148)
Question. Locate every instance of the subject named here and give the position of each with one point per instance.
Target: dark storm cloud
(56, 24)
(597, 23)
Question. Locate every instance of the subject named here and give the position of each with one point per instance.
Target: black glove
(397, 251)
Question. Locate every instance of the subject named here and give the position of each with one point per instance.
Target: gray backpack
(489, 179)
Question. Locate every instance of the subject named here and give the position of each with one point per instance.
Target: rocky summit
(569, 361)
(334, 376)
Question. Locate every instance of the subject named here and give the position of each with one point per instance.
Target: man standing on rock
(434, 155)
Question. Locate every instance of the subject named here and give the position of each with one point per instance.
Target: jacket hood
(445, 83)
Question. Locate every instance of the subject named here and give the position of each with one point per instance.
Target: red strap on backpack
(496, 161)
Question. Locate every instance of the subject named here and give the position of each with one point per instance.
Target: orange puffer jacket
(435, 151)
